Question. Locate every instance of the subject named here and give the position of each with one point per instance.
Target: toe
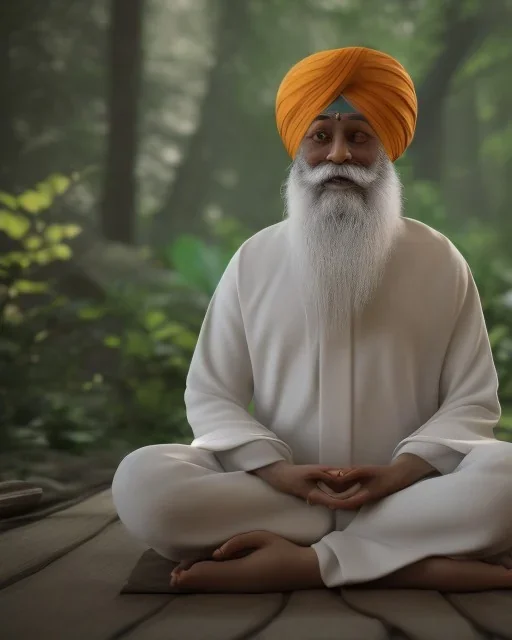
(176, 577)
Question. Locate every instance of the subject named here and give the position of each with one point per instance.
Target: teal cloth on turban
(340, 105)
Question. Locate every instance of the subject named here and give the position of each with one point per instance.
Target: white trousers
(178, 500)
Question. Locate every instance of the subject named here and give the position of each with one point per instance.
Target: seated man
(359, 336)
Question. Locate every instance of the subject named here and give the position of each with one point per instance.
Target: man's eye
(320, 136)
(359, 137)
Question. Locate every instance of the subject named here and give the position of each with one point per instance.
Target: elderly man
(359, 336)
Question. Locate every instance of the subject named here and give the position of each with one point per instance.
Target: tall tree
(463, 183)
(463, 31)
(9, 148)
(184, 204)
(15, 21)
(118, 212)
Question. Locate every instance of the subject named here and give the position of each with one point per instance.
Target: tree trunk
(12, 20)
(463, 183)
(118, 213)
(461, 36)
(184, 205)
(9, 147)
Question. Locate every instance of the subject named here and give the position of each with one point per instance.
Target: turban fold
(372, 82)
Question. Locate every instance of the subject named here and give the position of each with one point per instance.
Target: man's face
(340, 139)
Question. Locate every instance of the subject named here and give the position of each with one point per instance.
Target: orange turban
(374, 83)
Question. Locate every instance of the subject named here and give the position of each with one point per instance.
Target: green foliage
(491, 266)
(200, 264)
(76, 373)
(492, 270)
(35, 241)
(51, 386)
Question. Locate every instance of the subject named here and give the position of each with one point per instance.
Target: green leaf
(199, 264)
(497, 334)
(71, 230)
(58, 232)
(186, 254)
(137, 344)
(154, 318)
(215, 261)
(149, 393)
(28, 286)
(178, 335)
(13, 224)
(32, 242)
(8, 200)
(59, 183)
(16, 258)
(34, 201)
(61, 251)
(179, 362)
(42, 335)
(114, 342)
(54, 233)
(44, 256)
(90, 313)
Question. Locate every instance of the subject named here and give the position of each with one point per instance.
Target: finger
(361, 472)
(348, 493)
(339, 472)
(362, 497)
(241, 543)
(318, 497)
(320, 474)
(339, 484)
(362, 475)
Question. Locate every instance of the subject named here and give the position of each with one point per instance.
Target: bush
(491, 265)
(78, 373)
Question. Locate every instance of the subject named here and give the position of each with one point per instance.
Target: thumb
(238, 544)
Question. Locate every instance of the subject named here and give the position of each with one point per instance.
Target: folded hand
(361, 485)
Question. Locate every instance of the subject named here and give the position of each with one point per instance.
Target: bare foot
(259, 562)
(444, 574)
(256, 562)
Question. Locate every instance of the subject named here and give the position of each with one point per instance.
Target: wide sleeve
(468, 389)
(220, 387)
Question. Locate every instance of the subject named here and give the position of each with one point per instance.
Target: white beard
(341, 239)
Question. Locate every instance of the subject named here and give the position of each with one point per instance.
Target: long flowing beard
(341, 239)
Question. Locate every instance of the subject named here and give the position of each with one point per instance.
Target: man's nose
(339, 151)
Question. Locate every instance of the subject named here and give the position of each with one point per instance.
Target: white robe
(413, 374)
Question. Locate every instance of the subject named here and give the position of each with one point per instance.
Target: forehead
(340, 117)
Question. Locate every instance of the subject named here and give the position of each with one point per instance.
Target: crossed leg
(180, 502)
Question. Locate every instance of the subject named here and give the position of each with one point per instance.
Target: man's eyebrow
(357, 116)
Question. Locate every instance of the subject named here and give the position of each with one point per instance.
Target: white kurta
(413, 374)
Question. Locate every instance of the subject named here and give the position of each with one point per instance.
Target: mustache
(363, 177)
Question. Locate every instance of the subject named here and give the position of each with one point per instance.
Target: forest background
(138, 150)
